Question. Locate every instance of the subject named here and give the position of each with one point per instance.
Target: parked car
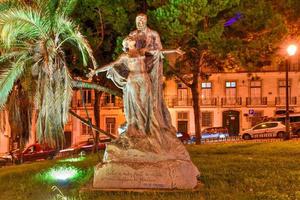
(5, 159)
(215, 133)
(295, 128)
(294, 122)
(183, 137)
(84, 147)
(32, 153)
(265, 129)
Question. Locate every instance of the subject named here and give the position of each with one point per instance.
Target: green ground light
(62, 174)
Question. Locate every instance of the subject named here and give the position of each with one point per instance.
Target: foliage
(33, 35)
(248, 42)
(104, 22)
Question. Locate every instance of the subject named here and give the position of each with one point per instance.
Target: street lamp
(291, 51)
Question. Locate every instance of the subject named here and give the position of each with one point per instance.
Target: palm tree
(33, 37)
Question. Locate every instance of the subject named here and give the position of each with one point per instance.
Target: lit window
(206, 85)
(230, 84)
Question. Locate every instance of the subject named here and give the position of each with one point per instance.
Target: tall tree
(216, 34)
(33, 35)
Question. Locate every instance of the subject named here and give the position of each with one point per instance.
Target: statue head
(141, 22)
(128, 43)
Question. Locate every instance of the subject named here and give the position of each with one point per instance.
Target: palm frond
(10, 55)
(21, 23)
(71, 34)
(67, 92)
(66, 7)
(9, 4)
(8, 78)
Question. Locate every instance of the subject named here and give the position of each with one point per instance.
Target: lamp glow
(291, 50)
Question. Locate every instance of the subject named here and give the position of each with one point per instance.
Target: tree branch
(87, 85)
(93, 126)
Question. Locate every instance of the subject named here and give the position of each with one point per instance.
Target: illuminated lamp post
(291, 51)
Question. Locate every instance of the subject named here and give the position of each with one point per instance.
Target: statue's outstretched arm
(167, 51)
(105, 67)
(170, 51)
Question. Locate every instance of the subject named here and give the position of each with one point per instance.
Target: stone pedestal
(168, 174)
(126, 165)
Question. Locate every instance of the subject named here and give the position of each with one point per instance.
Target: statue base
(164, 174)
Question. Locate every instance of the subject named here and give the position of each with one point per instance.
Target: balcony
(280, 101)
(256, 101)
(112, 104)
(173, 101)
(78, 103)
(231, 101)
(208, 101)
(116, 103)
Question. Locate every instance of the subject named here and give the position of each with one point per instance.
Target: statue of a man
(149, 40)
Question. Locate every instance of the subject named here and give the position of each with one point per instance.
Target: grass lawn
(228, 171)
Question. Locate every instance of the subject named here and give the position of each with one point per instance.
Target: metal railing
(231, 101)
(282, 100)
(256, 101)
(212, 101)
(103, 103)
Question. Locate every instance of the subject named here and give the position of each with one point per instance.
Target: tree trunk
(97, 118)
(196, 107)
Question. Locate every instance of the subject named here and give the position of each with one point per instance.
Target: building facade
(236, 100)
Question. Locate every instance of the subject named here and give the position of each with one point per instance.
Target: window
(206, 85)
(207, 118)
(87, 96)
(86, 129)
(110, 125)
(255, 92)
(272, 125)
(182, 115)
(206, 92)
(281, 88)
(109, 99)
(182, 94)
(230, 92)
(255, 89)
(260, 126)
(230, 84)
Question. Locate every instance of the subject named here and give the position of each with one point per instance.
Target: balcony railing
(115, 103)
(208, 101)
(79, 103)
(231, 101)
(256, 101)
(282, 100)
(103, 103)
(174, 101)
